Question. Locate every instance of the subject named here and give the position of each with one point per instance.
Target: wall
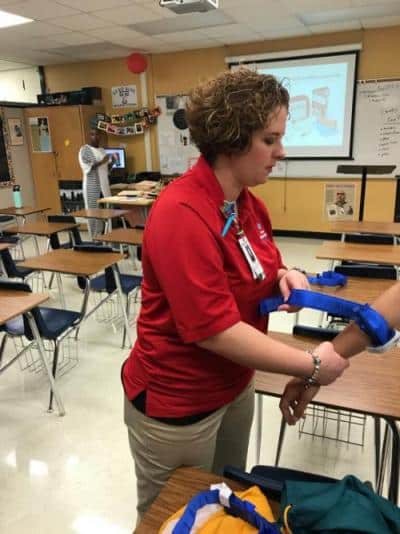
(21, 165)
(175, 73)
(21, 85)
(105, 74)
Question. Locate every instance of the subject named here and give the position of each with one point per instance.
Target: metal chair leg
(280, 441)
(54, 371)
(377, 443)
(128, 306)
(3, 346)
(259, 425)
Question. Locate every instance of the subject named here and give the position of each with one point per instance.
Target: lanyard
(230, 213)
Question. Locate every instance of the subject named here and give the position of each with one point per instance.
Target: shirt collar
(206, 179)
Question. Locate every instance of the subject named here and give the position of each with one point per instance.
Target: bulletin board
(177, 152)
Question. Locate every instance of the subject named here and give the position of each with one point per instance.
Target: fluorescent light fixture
(9, 19)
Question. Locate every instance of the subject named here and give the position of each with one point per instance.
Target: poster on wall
(339, 202)
(40, 134)
(15, 132)
(123, 96)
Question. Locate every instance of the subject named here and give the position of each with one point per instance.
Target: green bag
(347, 507)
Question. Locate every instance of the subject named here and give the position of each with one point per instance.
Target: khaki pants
(157, 449)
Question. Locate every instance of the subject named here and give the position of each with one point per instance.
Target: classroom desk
(183, 484)
(123, 236)
(369, 386)
(363, 253)
(138, 207)
(4, 246)
(22, 212)
(366, 227)
(39, 228)
(102, 214)
(364, 290)
(14, 303)
(81, 263)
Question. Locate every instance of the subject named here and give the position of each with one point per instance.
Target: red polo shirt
(196, 284)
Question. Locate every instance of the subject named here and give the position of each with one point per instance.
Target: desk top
(99, 213)
(40, 228)
(14, 303)
(69, 261)
(364, 253)
(25, 210)
(4, 246)
(366, 227)
(364, 290)
(370, 385)
(127, 201)
(184, 483)
(126, 236)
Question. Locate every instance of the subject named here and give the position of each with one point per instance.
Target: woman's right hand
(332, 364)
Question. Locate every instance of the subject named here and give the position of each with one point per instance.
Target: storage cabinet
(68, 130)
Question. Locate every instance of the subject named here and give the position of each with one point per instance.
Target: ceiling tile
(377, 22)
(40, 9)
(115, 32)
(127, 15)
(300, 6)
(281, 33)
(94, 5)
(338, 15)
(223, 31)
(28, 30)
(335, 27)
(79, 22)
(10, 65)
(184, 37)
(74, 38)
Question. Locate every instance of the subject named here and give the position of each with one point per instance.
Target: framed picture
(40, 134)
(6, 167)
(15, 132)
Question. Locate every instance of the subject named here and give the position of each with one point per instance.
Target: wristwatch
(313, 379)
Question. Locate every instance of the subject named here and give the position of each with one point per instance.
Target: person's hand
(295, 400)
(332, 364)
(292, 279)
(104, 160)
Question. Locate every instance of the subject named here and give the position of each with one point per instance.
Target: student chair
(53, 325)
(105, 283)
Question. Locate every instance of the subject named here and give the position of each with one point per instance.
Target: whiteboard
(376, 139)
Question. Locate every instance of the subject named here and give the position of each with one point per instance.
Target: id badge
(255, 266)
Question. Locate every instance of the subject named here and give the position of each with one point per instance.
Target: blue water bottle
(17, 196)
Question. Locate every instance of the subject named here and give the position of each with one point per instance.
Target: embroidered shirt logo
(261, 231)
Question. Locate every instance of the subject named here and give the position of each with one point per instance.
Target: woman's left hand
(291, 279)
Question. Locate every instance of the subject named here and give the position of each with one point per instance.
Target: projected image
(321, 104)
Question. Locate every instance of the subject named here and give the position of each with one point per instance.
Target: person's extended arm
(245, 345)
(353, 340)
(349, 342)
(101, 162)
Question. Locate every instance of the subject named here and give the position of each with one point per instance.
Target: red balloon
(137, 63)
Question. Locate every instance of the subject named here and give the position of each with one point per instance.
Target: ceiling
(76, 30)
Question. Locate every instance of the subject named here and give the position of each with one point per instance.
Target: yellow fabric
(221, 523)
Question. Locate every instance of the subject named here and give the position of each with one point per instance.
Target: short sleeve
(189, 267)
(87, 156)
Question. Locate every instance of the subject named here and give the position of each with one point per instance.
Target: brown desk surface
(99, 213)
(39, 228)
(364, 290)
(370, 385)
(184, 483)
(14, 303)
(25, 210)
(336, 250)
(69, 261)
(4, 246)
(125, 201)
(366, 227)
(125, 236)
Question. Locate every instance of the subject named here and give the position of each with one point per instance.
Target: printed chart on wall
(177, 151)
(377, 138)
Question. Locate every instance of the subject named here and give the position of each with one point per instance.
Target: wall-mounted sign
(123, 96)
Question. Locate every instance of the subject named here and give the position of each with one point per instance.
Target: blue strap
(369, 320)
(328, 278)
(237, 507)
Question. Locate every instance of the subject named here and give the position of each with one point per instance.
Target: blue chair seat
(128, 283)
(54, 323)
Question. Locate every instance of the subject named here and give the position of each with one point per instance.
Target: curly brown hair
(223, 113)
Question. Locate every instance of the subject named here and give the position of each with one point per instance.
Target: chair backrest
(108, 272)
(64, 219)
(14, 286)
(9, 264)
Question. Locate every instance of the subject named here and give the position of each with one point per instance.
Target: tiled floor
(74, 474)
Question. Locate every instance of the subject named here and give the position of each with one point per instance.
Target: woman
(95, 164)
(208, 259)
